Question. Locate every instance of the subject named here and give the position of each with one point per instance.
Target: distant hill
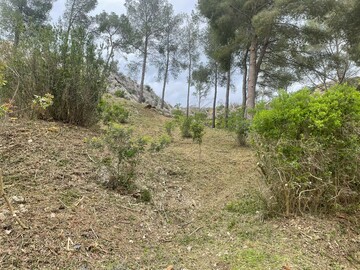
(130, 90)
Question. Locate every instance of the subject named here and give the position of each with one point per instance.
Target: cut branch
(7, 201)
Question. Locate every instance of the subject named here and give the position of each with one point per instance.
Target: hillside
(206, 211)
(131, 89)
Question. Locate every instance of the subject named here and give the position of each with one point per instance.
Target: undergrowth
(308, 145)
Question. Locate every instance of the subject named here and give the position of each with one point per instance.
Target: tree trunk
(244, 83)
(165, 78)
(141, 94)
(227, 98)
(215, 97)
(250, 102)
(189, 85)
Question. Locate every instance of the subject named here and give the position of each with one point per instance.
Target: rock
(18, 199)
(2, 217)
(130, 90)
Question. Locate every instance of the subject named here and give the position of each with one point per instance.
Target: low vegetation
(308, 149)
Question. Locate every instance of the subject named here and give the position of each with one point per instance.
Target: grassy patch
(250, 203)
(69, 197)
(254, 259)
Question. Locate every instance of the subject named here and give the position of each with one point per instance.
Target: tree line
(272, 43)
(276, 43)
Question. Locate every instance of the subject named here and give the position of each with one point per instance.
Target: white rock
(18, 199)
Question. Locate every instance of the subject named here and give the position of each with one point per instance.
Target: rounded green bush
(308, 146)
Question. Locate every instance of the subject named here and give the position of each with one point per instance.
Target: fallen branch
(7, 201)
(199, 228)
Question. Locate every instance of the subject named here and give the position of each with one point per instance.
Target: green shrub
(242, 130)
(236, 123)
(197, 131)
(119, 93)
(157, 146)
(66, 66)
(169, 127)
(178, 113)
(123, 156)
(112, 112)
(185, 127)
(309, 149)
(145, 196)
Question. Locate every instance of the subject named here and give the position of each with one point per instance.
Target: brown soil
(76, 223)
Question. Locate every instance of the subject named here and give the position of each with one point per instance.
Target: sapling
(197, 129)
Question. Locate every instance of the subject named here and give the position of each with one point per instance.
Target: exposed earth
(206, 211)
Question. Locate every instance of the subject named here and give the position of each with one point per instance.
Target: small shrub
(169, 127)
(197, 130)
(6, 108)
(121, 156)
(119, 93)
(242, 130)
(40, 104)
(157, 146)
(178, 114)
(148, 88)
(185, 127)
(145, 196)
(112, 112)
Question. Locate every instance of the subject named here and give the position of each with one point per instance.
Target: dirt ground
(206, 210)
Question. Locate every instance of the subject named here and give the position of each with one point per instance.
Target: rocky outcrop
(123, 86)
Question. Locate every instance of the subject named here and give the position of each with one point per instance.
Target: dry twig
(7, 201)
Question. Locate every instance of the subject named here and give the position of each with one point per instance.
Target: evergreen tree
(147, 22)
(19, 16)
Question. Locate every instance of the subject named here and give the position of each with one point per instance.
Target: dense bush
(112, 112)
(63, 64)
(308, 146)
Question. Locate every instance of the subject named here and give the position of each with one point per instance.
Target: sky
(176, 90)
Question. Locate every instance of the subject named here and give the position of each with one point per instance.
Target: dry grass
(78, 224)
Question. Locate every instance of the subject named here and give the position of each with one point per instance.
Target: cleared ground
(206, 211)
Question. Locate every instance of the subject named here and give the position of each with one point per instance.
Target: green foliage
(242, 130)
(309, 148)
(169, 127)
(236, 123)
(178, 113)
(112, 112)
(43, 102)
(5, 109)
(21, 18)
(200, 117)
(197, 131)
(250, 203)
(40, 104)
(123, 152)
(160, 144)
(185, 127)
(145, 196)
(256, 259)
(66, 66)
(2, 76)
(119, 93)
